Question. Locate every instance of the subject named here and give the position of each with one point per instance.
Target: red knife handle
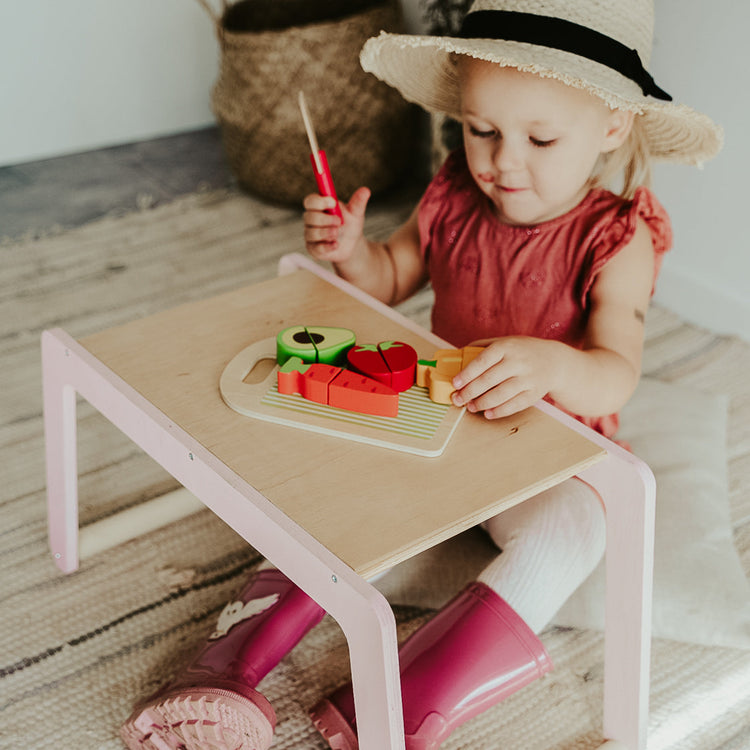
(325, 182)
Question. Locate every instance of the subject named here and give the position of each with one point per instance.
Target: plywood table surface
(370, 506)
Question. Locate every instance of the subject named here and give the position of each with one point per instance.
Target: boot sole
(201, 719)
(333, 727)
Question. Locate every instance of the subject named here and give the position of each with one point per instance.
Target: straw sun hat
(602, 46)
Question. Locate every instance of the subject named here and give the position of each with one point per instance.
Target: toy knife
(319, 161)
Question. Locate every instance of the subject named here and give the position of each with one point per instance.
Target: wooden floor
(42, 197)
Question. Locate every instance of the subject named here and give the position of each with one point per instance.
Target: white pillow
(701, 593)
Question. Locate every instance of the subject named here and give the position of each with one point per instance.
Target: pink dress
(491, 279)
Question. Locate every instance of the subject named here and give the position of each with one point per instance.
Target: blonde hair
(631, 162)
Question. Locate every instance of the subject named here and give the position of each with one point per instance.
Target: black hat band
(557, 33)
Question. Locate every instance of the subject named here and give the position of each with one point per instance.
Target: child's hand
(510, 375)
(326, 238)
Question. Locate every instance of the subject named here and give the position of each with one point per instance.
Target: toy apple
(392, 363)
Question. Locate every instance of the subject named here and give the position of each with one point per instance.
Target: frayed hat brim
(422, 69)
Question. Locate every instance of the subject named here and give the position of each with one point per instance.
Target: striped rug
(78, 650)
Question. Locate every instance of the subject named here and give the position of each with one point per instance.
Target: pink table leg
(628, 489)
(362, 612)
(59, 399)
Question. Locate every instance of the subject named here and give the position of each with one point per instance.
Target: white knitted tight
(550, 544)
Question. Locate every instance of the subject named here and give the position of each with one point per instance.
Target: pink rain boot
(212, 704)
(473, 654)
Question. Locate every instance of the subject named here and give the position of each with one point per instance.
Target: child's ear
(619, 125)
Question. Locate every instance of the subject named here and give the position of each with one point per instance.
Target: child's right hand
(326, 239)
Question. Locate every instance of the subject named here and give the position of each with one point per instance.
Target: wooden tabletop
(371, 506)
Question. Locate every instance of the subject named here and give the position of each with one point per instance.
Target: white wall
(82, 74)
(701, 57)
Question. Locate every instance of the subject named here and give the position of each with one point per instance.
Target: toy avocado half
(314, 344)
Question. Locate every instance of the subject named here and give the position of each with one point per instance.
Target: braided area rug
(78, 650)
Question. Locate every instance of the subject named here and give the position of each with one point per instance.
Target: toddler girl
(530, 255)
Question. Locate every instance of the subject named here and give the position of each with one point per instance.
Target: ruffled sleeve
(617, 230)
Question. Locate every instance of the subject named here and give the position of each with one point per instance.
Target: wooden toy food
(344, 389)
(392, 363)
(314, 344)
(437, 375)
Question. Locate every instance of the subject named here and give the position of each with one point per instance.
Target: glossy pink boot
(212, 704)
(473, 654)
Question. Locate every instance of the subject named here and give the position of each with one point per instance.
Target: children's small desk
(329, 512)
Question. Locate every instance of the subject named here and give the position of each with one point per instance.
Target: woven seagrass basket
(271, 50)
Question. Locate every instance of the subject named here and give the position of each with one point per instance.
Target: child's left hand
(510, 375)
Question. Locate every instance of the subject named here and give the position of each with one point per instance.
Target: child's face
(531, 142)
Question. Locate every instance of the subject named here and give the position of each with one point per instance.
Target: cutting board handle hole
(259, 371)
